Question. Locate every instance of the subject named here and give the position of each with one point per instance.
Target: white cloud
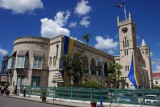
(157, 68)
(21, 6)
(111, 51)
(3, 52)
(84, 22)
(151, 53)
(103, 43)
(156, 61)
(156, 65)
(72, 24)
(51, 28)
(82, 8)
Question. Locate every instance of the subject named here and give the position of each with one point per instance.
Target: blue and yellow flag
(68, 47)
(132, 73)
(121, 4)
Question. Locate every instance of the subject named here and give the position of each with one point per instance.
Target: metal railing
(139, 97)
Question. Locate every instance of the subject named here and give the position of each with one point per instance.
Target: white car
(151, 99)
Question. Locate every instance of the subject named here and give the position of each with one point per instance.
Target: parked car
(152, 99)
(128, 98)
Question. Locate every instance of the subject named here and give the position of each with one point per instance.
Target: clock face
(124, 29)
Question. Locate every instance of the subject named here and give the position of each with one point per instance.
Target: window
(35, 81)
(20, 80)
(146, 52)
(20, 63)
(11, 63)
(142, 52)
(37, 63)
(156, 82)
(54, 60)
(57, 51)
(125, 68)
(125, 42)
(50, 60)
(125, 52)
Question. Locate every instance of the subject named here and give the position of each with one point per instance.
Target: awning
(13, 54)
(38, 53)
(22, 53)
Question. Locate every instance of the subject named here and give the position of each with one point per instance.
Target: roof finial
(129, 14)
(143, 43)
(117, 18)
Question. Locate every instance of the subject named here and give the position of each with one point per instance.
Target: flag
(67, 50)
(121, 4)
(132, 73)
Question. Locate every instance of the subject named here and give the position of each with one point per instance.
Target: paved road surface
(11, 102)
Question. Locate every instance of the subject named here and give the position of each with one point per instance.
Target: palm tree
(86, 37)
(115, 73)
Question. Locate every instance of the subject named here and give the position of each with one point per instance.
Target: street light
(101, 62)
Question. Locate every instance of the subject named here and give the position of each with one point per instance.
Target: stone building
(129, 47)
(37, 60)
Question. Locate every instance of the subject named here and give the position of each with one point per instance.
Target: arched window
(76, 58)
(85, 63)
(92, 66)
(106, 69)
(125, 42)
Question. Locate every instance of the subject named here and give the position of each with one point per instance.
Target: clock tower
(128, 44)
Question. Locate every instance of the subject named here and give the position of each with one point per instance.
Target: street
(11, 102)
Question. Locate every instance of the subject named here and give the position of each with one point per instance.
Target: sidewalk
(64, 102)
(69, 103)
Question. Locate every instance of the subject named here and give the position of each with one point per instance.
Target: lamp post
(101, 62)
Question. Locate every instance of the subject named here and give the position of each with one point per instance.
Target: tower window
(146, 52)
(125, 52)
(125, 42)
(127, 68)
(142, 52)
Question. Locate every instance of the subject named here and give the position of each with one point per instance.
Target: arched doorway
(85, 63)
(105, 69)
(92, 66)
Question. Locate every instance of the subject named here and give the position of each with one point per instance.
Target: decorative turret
(143, 43)
(129, 16)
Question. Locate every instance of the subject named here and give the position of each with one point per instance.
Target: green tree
(73, 67)
(115, 74)
(86, 37)
(68, 66)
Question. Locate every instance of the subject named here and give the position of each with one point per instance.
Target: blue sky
(49, 18)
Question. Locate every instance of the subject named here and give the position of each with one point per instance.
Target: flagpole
(125, 10)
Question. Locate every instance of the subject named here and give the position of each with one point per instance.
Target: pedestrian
(16, 89)
(24, 91)
(0, 88)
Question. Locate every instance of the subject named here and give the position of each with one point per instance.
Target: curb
(36, 101)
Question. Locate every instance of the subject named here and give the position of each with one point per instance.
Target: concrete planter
(93, 104)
